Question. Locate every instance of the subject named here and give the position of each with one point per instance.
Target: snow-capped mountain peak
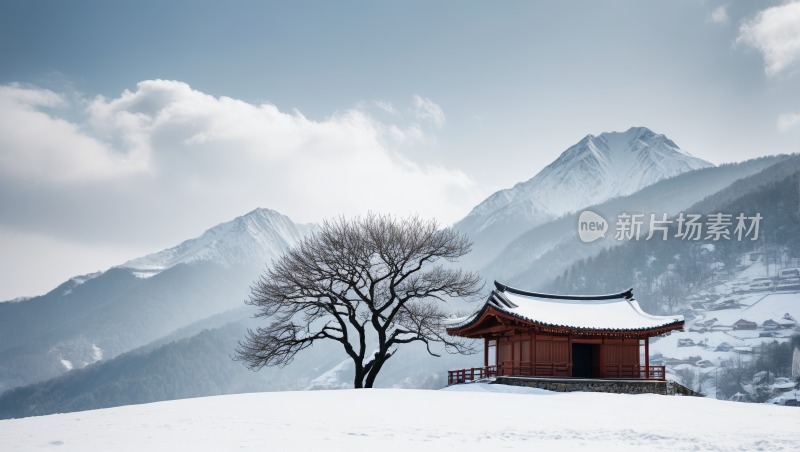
(254, 238)
(590, 172)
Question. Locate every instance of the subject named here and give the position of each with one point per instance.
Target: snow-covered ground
(754, 308)
(465, 418)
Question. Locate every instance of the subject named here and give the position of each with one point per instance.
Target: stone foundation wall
(668, 387)
(679, 389)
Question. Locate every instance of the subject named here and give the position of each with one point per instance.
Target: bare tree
(672, 290)
(371, 276)
(695, 267)
(734, 373)
(695, 379)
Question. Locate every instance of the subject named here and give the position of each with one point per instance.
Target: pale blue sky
(486, 94)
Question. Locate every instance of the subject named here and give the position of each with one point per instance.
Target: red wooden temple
(561, 336)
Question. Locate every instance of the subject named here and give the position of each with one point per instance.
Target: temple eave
(493, 322)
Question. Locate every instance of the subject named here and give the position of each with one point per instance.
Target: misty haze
(357, 226)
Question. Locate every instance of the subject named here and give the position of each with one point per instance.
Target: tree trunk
(358, 381)
(373, 373)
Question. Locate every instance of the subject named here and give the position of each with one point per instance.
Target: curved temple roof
(613, 313)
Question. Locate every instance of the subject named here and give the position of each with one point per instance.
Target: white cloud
(788, 121)
(37, 147)
(164, 162)
(719, 15)
(427, 110)
(386, 106)
(775, 32)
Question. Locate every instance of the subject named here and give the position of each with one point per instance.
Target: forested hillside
(663, 272)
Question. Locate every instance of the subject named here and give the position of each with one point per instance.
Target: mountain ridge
(540, 254)
(131, 304)
(592, 171)
(634, 152)
(253, 238)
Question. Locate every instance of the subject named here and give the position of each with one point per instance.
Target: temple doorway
(582, 360)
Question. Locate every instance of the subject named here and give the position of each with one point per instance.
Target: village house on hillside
(770, 324)
(744, 325)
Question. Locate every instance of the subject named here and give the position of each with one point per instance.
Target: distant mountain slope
(196, 361)
(544, 252)
(251, 239)
(196, 366)
(108, 315)
(105, 314)
(596, 169)
(644, 263)
(750, 183)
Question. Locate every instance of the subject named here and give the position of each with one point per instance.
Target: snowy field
(466, 418)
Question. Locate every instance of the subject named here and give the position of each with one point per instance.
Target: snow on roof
(615, 312)
(762, 307)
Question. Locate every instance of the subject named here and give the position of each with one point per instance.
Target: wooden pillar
(485, 352)
(569, 366)
(533, 354)
(603, 358)
(647, 355)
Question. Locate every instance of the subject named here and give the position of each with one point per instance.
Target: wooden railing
(475, 373)
(525, 368)
(559, 370)
(552, 370)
